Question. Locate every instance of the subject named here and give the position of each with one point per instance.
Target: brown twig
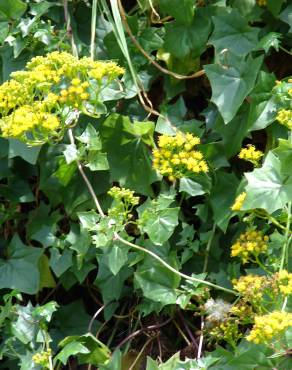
(142, 330)
(148, 57)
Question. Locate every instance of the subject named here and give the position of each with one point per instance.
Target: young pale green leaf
(190, 187)
(88, 219)
(268, 187)
(117, 257)
(160, 224)
(231, 84)
(271, 40)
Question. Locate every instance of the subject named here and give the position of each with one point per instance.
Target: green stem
(93, 28)
(263, 267)
(287, 237)
(285, 50)
(172, 269)
(209, 247)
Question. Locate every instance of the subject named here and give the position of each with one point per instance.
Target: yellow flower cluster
(269, 327)
(176, 156)
(284, 116)
(12, 94)
(249, 244)
(238, 202)
(27, 118)
(33, 101)
(124, 201)
(262, 2)
(284, 282)
(42, 358)
(251, 287)
(250, 154)
(125, 195)
(75, 94)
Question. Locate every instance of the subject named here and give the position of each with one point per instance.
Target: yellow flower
(176, 156)
(284, 282)
(262, 3)
(251, 287)
(270, 327)
(238, 202)
(42, 358)
(284, 116)
(249, 244)
(251, 154)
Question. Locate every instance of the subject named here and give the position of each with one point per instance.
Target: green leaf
(88, 349)
(159, 224)
(70, 153)
(46, 278)
(71, 349)
(181, 10)
(128, 156)
(25, 327)
(12, 9)
(91, 138)
(88, 219)
(190, 187)
(181, 40)
(232, 32)
(157, 282)
(4, 30)
(97, 161)
(19, 149)
(60, 262)
(20, 270)
(117, 257)
(226, 184)
(230, 85)
(271, 40)
(268, 187)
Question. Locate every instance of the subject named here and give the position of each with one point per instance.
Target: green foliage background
(54, 277)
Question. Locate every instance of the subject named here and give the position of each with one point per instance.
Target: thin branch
(94, 317)
(165, 264)
(209, 247)
(93, 28)
(148, 57)
(85, 178)
(201, 340)
(188, 330)
(140, 331)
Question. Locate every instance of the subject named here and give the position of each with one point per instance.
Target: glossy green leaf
(20, 270)
(181, 10)
(182, 40)
(268, 187)
(233, 34)
(230, 85)
(12, 9)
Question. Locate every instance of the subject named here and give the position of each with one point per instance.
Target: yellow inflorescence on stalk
(269, 327)
(284, 281)
(236, 206)
(262, 3)
(250, 154)
(251, 287)
(34, 103)
(249, 244)
(284, 116)
(42, 358)
(176, 156)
